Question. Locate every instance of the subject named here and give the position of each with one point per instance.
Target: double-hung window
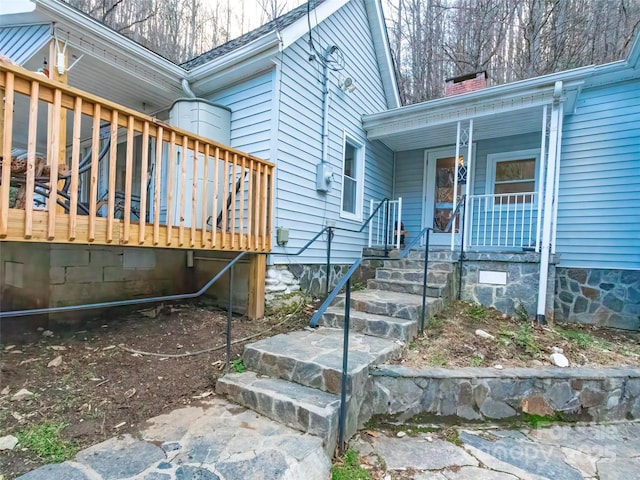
(352, 179)
(511, 176)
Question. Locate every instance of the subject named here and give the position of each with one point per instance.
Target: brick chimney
(465, 83)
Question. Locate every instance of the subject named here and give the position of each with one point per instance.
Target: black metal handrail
(426, 231)
(344, 282)
(331, 233)
(138, 301)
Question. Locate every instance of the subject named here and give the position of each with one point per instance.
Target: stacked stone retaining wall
(488, 394)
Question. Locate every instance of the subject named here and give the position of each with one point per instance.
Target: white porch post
(467, 213)
(556, 122)
(543, 162)
(455, 185)
(399, 228)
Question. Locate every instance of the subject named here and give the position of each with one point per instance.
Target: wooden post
(62, 78)
(257, 280)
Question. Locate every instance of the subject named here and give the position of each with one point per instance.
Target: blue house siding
(299, 207)
(599, 199)
(250, 104)
(409, 179)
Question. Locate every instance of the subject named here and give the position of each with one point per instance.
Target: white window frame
(494, 158)
(359, 166)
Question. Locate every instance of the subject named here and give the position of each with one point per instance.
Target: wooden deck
(154, 186)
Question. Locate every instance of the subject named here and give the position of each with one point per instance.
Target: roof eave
(261, 49)
(112, 39)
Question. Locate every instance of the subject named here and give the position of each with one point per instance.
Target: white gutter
(110, 38)
(414, 115)
(545, 248)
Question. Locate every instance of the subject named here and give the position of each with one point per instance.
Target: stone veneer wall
(484, 393)
(522, 278)
(309, 279)
(608, 298)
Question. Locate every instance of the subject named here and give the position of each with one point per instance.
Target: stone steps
(414, 288)
(416, 264)
(412, 275)
(371, 324)
(302, 408)
(391, 304)
(295, 378)
(313, 358)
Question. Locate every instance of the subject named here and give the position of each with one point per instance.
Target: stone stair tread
(409, 282)
(311, 399)
(370, 316)
(408, 270)
(388, 296)
(314, 357)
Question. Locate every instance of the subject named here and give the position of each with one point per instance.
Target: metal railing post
(424, 283)
(345, 362)
(328, 272)
(461, 259)
(229, 318)
(386, 228)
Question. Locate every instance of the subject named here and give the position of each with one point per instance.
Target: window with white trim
(352, 179)
(511, 174)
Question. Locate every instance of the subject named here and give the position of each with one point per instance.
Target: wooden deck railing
(105, 174)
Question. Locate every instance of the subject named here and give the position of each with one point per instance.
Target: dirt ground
(102, 387)
(450, 340)
(96, 385)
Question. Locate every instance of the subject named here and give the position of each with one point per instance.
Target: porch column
(549, 191)
(455, 186)
(467, 214)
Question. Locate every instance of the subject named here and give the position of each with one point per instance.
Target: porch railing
(155, 185)
(385, 227)
(503, 220)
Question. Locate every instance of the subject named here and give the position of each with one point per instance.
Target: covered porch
(492, 157)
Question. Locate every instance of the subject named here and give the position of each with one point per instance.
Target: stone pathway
(218, 440)
(214, 441)
(604, 452)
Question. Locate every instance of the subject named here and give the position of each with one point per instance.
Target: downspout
(187, 88)
(545, 247)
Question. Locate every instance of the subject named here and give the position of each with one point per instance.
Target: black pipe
(328, 265)
(122, 303)
(345, 362)
(461, 259)
(424, 283)
(229, 318)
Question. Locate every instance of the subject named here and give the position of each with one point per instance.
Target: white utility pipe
(541, 170)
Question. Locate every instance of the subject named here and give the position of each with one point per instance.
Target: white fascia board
(379, 129)
(111, 40)
(267, 45)
(525, 88)
(300, 27)
(229, 73)
(383, 51)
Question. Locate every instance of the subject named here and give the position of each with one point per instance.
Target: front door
(439, 177)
